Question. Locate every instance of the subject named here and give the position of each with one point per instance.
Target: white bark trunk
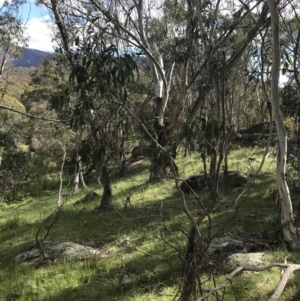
(75, 183)
(287, 223)
(162, 79)
(3, 61)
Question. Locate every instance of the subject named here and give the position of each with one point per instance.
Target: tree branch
(33, 116)
(290, 268)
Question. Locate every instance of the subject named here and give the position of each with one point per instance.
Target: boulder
(233, 179)
(141, 151)
(259, 128)
(54, 249)
(222, 247)
(244, 259)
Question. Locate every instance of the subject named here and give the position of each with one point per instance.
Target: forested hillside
(31, 58)
(155, 156)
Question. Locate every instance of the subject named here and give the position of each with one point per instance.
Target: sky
(35, 19)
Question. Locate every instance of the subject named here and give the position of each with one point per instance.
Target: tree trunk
(121, 157)
(107, 192)
(76, 181)
(158, 158)
(81, 174)
(3, 61)
(290, 232)
(191, 260)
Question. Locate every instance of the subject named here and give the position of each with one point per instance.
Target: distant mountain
(31, 58)
(34, 58)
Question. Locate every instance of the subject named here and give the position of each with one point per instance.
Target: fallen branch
(290, 268)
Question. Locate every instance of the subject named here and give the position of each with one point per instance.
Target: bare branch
(33, 116)
(290, 268)
(140, 43)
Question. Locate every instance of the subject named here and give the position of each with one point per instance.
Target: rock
(222, 247)
(233, 179)
(244, 259)
(256, 135)
(259, 128)
(140, 152)
(54, 249)
(125, 277)
(194, 182)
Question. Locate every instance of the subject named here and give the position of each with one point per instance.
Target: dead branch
(56, 215)
(284, 278)
(290, 268)
(127, 202)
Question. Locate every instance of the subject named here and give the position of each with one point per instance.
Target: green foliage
(12, 37)
(13, 103)
(49, 84)
(16, 169)
(103, 71)
(290, 100)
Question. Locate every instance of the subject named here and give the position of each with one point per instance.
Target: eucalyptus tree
(289, 228)
(48, 96)
(290, 61)
(225, 33)
(12, 37)
(98, 75)
(146, 27)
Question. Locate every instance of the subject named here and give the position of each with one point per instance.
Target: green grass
(140, 237)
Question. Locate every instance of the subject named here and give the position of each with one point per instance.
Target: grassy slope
(139, 237)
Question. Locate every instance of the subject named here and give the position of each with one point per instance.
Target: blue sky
(37, 26)
(37, 22)
(30, 10)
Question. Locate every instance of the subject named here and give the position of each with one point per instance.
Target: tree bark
(191, 271)
(76, 181)
(158, 164)
(3, 61)
(107, 192)
(290, 232)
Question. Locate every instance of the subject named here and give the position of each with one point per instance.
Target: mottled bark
(159, 160)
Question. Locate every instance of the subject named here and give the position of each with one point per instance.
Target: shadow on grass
(139, 237)
(151, 277)
(99, 282)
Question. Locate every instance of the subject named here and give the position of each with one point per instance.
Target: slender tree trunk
(121, 160)
(78, 176)
(191, 269)
(290, 232)
(81, 175)
(158, 160)
(107, 192)
(3, 61)
(76, 181)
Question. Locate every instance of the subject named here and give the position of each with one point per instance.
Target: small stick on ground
(127, 202)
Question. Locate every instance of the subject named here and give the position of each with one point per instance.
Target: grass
(140, 237)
